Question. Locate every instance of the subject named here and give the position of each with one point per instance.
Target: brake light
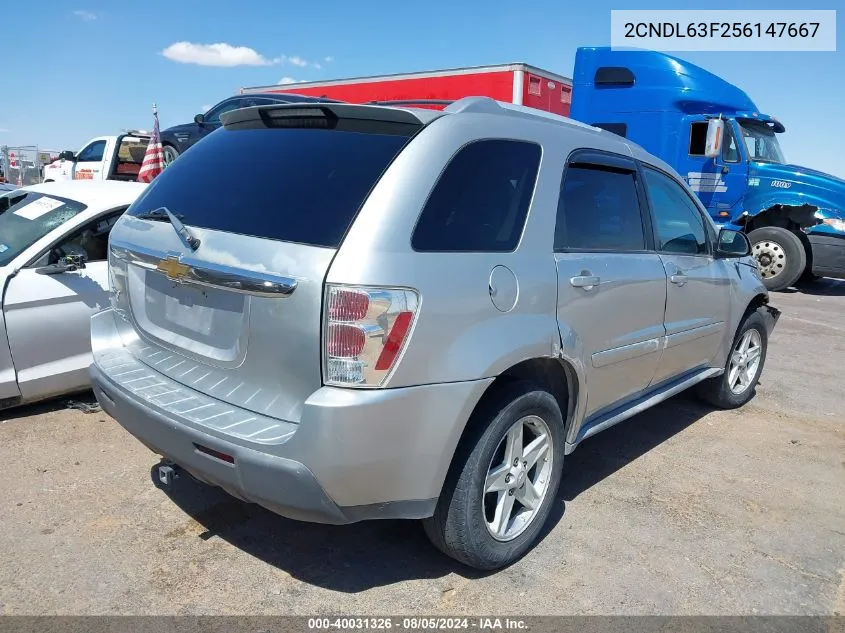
(345, 340)
(346, 304)
(364, 333)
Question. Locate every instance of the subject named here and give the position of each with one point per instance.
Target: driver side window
(730, 150)
(90, 240)
(93, 153)
(213, 115)
(677, 221)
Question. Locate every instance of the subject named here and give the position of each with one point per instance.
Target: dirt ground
(681, 510)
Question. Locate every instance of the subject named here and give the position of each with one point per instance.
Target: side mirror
(67, 155)
(715, 132)
(66, 264)
(199, 119)
(732, 244)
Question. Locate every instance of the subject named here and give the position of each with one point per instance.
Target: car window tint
(697, 138)
(298, 185)
(213, 115)
(678, 222)
(92, 153)
(598, 209)
(480, 202)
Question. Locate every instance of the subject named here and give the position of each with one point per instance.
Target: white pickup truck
(102, 158)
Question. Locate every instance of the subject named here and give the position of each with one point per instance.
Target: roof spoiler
(331, 116)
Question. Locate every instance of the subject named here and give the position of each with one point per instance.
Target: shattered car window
(26, 217)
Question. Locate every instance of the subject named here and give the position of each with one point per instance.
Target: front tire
(780, 256)
(745, 363)
(170, 154)
(503, 482)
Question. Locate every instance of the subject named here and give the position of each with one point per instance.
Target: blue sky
(81, 68)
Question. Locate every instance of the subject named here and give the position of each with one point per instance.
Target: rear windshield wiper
(163, 213)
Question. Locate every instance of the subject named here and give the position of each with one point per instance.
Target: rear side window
(289, 184)
(599, 209)
(480, 202)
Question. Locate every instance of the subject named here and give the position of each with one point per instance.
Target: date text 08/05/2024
(416, 623)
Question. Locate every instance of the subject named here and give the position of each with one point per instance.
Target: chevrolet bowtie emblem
(172, 268)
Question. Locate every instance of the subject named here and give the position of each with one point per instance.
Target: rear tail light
(364, 333)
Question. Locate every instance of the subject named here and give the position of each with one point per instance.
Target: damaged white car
(53, 277)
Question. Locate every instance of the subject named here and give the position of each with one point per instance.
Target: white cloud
(205, 108)
(87, 16)
(296, 61)
(288, 80)
(328, 59)
(220, 54)
(318, 66)
(3, 130)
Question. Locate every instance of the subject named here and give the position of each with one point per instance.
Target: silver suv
(408, 313)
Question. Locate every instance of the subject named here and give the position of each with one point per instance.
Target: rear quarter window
(287, 184)
(481, 200)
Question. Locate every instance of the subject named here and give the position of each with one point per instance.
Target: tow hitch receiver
(167, 473)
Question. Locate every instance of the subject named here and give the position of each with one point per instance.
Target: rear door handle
(587, 282)
(678, 278)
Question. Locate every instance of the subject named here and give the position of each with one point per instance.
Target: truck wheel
(503, 481)
(736, 386)
(170, 154)
(780, 256)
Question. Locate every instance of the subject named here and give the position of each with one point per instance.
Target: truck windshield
(761, 142)
(26, 217)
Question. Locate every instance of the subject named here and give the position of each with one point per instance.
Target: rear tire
(736, 385)
(480, 519)
(780, 256)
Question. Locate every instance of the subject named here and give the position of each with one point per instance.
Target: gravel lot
(681, 510)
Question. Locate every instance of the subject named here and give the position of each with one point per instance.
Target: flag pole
(155, 109)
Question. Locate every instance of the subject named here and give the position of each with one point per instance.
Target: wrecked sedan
(53, 277)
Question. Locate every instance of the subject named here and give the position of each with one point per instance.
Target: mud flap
(770, 317)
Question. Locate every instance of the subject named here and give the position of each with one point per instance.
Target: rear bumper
(354, 455)
(282, 485)
(828, 254)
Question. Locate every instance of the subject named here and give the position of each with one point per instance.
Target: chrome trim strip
(209, 274)
(686, 336)
(626, 352)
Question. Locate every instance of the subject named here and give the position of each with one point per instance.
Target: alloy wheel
(518, 478)
(771, 258)
(745, 360)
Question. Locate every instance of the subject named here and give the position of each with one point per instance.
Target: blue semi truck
(714, 136)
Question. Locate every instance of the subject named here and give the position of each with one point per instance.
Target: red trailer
(516, 83)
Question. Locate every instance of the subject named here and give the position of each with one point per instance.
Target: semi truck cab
(727, 150)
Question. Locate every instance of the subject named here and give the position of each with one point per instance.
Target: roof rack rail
(482, 105)
(444, 102)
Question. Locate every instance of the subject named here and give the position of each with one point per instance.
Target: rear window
(480, 202)
(293, 185)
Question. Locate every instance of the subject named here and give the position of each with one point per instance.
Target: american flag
(153, 163)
